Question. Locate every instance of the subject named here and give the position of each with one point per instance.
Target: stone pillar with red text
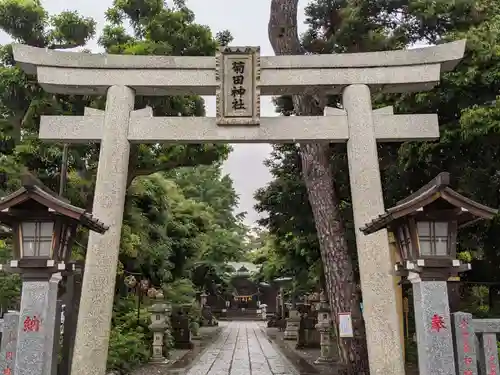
(465, 344)
(433, 326)
(36, 326)
(9, 342)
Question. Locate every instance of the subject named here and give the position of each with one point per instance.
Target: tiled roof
(438, 188)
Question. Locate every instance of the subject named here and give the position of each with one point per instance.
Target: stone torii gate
(238, 76)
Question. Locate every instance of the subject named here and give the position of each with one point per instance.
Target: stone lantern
(43, 226)
(263, 308)
(324, 326)
(425, 225)
(158, 326)
(203, 299)
(282, 282)
(292, 322)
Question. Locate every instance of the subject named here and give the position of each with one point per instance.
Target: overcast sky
(247, 21)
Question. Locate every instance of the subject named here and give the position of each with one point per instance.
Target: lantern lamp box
(345, 325)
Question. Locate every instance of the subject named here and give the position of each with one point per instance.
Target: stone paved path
(242, 349)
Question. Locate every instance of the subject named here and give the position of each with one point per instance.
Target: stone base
(291, 333)
(162, 360)
(324, 361)
(193, 337)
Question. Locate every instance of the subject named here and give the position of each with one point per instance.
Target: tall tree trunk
(319, 181)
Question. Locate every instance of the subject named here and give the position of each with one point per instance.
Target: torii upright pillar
(358, 125)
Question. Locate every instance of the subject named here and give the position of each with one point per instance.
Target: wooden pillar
(454, 293)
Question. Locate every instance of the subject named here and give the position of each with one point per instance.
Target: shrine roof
(244, 267)
(438, 188)
(32, 189)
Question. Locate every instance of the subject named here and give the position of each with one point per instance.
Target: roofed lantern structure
(425, 224)
(43, 224)
(34, 198)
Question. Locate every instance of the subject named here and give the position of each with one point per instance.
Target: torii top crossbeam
(393, 71)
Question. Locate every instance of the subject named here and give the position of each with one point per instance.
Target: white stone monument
(263, 312)
(356, 76)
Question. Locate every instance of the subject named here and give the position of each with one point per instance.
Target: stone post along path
(9, 342)
(433, 326)
(35, 335)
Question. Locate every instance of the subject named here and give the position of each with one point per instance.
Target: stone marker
(489, 357)
(52, 324)
(324, 326)
(263, 313)
(292, 324)
(465, 343)
(9, 342)
(36, 327)
(433, 326)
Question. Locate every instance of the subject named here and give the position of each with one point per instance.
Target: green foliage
(194, 327)
(129, 343)
(292, 249)
(127, 350)
(10, 284)
(180, 292)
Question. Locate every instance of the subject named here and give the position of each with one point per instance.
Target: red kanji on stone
(493, 367)
(468, 361)
(466, 347)
(8, 356)
(7, 371)
(437, 323)
(468, 372)
(31, 324)
(463, 324)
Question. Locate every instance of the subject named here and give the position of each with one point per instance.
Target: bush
(194, 327)
(127, 350)
(129, 342)
(180, 292)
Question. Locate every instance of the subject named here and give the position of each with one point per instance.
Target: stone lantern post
(292, 323)
(158, 326)
(43, 227)
(263, 308)
(203, 299)
(324, 326)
